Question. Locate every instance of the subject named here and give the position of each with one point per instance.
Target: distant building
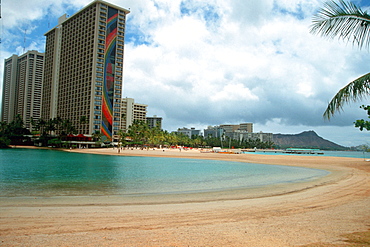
(154, 122)
(84, 69)
(240, 132)
(213, 131)
(188, 132)
(246, 126)
(233, 127)
(230, 130)
(130, 112)
(22, 87)
(243, 135)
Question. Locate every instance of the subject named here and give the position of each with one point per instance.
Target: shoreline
(320, 211)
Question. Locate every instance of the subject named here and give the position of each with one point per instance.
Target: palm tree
(348, 22)
(40, 125)
(122, 138)
(67, 127)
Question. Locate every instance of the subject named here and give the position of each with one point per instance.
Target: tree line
(54, 131)
(140, 134)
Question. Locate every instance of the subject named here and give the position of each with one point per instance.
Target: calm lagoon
(36, 172)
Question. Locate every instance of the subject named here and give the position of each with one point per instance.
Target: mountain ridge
(305, 139)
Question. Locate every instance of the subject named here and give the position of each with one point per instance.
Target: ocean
(37, 172)
(348, 154)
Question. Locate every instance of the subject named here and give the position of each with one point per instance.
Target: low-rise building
(240, 132)
(213, 131)
(154, 122)
(188, 132)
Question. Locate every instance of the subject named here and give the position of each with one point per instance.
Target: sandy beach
(331, 211)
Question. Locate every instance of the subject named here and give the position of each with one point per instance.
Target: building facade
(240, 132)
(188, 132)
(154, 122)
(84, 69)
(213, 132)
(22, 87)
(130, 112)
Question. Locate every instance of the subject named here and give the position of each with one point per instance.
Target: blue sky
(199, 63)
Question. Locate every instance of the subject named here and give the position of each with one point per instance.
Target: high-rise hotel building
(130, 112)
(22, 87)
(84, 69)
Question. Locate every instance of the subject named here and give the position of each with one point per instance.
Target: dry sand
(309, 213)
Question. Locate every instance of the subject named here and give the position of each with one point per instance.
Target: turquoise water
(29, 172)
(349, 154)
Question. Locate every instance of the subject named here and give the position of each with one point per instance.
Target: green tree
(348, 22)
(67, 127)
(122, 138)
(13, 132)
(364, 124)
(138, 131)
(40, 125)
(4, 135)
(50, 126)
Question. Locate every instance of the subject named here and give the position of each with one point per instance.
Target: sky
(199, 63)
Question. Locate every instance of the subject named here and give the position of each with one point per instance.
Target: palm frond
(344, 20)
(353, 91)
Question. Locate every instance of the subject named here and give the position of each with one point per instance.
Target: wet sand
(320, 211)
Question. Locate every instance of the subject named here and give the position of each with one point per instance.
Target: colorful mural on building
(109, 71)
